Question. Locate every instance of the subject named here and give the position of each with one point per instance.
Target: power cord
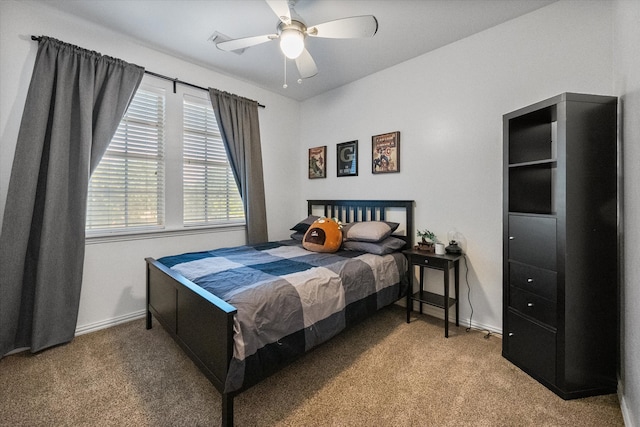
(466, 278)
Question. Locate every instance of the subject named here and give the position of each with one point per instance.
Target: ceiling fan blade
(281, 9)
(346, 28)
(245, 42)
(306, 65)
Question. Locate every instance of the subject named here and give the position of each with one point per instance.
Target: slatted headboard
(369, 210)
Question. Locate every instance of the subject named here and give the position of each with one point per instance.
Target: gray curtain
(240, 129)
(75, 102)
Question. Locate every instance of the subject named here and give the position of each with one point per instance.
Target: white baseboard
(96, 326)
(439, 313)
(624, 408)
(103, 324)
(431, 311)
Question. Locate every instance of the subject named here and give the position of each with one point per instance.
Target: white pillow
(368, 231)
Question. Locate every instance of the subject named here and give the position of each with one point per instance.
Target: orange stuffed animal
(324, 235)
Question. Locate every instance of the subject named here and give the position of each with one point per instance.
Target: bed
(230, 323)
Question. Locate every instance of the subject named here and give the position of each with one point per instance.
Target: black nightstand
(437, 262)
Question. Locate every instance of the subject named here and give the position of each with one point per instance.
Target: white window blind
(209, 189)
(126, 191)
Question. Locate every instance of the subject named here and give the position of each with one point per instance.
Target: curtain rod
(177, 81)
(174, 80)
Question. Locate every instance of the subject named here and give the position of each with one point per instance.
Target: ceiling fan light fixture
(291, 43)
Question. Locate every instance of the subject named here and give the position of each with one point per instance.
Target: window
(166, 168)
(126, 191)
(209, 189)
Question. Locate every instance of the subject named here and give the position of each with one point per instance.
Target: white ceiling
(406, 29)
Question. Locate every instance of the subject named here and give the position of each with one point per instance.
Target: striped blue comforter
(289, 299)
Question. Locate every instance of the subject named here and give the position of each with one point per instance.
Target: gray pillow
(298, 235)
(388, 245)
(304, 225)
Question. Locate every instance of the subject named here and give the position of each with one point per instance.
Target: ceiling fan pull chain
(285, 72)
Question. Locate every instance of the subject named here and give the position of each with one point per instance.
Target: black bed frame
(202, 324)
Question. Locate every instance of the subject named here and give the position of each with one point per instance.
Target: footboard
(201, 323)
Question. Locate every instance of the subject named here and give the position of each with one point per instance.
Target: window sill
(157, 233)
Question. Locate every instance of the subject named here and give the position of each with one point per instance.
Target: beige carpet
(383, 372)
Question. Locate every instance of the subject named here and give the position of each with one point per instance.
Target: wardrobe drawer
(532, 240)
(536, 280)
(531, 346)
(533, 305)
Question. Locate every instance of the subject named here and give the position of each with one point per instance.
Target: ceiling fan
(293, 31)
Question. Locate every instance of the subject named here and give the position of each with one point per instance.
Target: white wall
(627, 86)
(448, 107)
(114, 273)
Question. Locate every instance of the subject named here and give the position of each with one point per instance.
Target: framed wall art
(318, 162)
(347, 158)
(385, 153)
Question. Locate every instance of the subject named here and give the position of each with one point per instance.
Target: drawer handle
(529, 304)
(511, 334)
(511, 237)
(426, 261)
(529, 280)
